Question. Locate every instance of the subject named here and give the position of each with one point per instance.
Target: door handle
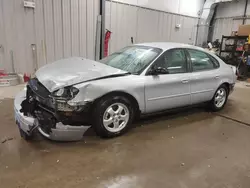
(217, 76)
(184, 81)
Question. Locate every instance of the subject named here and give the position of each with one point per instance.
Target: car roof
(169, 45)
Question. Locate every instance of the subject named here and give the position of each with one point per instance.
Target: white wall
(146, 25)
(57, 28)
(184, 7)
(224, 20)
(231, 9)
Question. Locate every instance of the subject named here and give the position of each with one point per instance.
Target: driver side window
(174, 61)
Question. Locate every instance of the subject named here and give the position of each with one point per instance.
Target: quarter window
(174, 61)
(202, 61)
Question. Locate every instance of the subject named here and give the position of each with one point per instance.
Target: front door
(166, 91)
(204, 79)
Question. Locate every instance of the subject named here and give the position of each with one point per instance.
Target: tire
(118, 121)
(220, 98)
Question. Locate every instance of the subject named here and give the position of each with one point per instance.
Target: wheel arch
(130, 97)
(225, 84)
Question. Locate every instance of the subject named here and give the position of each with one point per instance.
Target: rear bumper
(61, 132)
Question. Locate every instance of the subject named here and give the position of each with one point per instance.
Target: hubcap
(116, 117)
(220, 97)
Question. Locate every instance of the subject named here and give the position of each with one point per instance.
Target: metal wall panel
(40, 33)
(224, 23)
(2, 37)
(20, 42)
(113, 27)
(224, 26)
(58, 27)
(90, 28)
(185, 7)
(146, 25)
(66, 28)
(230, 9)
(82, 27)
(75, 28)
(49, 31)
(17, 23)
(54, 29)
(167, 18)
(96, 10)
(247, 21)
(9, 23)
(29, 38)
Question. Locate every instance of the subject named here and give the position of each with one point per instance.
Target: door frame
(188, 72)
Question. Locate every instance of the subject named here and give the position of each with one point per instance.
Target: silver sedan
(70, 95)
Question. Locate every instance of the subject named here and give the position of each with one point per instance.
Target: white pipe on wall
(205, 19)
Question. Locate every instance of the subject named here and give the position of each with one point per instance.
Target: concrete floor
(188, 149)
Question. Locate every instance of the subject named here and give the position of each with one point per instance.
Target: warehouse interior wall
(54, 29)
(229, 16)
(31, 37)
(147, 22)
(184, 7)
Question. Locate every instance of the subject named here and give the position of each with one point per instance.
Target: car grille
(39, 93)
(38, 88)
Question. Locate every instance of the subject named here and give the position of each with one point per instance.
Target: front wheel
(113, 116)
(220, 98)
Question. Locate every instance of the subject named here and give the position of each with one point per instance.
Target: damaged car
(68, 96)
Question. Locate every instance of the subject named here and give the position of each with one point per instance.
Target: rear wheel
(220, 98)
(113, 116)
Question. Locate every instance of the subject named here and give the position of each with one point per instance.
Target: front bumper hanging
(59, 132)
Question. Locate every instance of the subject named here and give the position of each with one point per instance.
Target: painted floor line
(233, 119)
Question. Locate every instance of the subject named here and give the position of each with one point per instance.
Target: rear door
(165, 91)
(205, 76)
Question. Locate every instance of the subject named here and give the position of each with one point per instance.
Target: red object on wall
(26, 78)
(106, 43)
(2, 73)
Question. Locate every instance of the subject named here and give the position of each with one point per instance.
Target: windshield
(133, 59)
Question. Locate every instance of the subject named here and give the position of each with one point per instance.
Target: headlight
(74, 91)
(60, 92)
(67, 92)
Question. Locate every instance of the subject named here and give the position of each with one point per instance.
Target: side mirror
(158, 70)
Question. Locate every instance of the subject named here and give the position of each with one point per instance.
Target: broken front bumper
(61, 132)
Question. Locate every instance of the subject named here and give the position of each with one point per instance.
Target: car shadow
(181, 116)
(175, 114)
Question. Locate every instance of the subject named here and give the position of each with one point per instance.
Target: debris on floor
(45, 151)
(6, 140)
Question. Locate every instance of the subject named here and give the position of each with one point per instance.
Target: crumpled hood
(71, 71)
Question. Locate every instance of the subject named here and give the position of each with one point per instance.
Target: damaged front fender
(90, 91)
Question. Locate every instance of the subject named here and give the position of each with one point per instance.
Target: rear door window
(201, 61)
